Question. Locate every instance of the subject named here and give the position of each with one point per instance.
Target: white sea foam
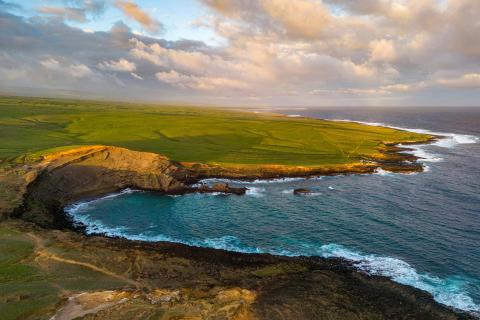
(84, 205)
(294, 115)
(447, 291)
(257, 181)
(93, 226)
(331, 188)
(448, 140)
(255, 192)
(382, 172)
(422, 155)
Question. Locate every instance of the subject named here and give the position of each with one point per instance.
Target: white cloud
(136, 76)
(382, 50)
(270, 49)
(302, 18)
(79, 70)
(132, 10)
(470, 80)
(74, 14)
(76, 70)
(200, 83)
(121, 65)
(51, 64)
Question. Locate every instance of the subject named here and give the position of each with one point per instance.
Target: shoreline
(419, 303)
(394, 158)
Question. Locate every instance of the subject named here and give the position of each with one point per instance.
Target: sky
(244, 52)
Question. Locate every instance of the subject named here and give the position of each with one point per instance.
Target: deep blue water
(421, 229)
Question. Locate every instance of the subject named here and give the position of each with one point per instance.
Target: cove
(419, 229)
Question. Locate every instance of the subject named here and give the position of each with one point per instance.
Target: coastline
(280, 286)
(393, 158)
(88, 172)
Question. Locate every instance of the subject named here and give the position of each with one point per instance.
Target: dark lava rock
(301, 191)
(223, 188)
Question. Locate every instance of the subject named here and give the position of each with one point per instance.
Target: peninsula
(55, 152)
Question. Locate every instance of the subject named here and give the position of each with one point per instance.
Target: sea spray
(448, 291)
(447, 140)
(255, 192)
(257, 181)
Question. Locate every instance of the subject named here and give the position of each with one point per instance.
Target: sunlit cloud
(278, 51)
(132, 10)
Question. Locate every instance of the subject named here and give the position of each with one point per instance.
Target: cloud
(398, 88)
(382, 50)
(74, 14)
(280, 52)
(74, 10)
(76, 70)
(121, 65)
(132, 10)
(470, 80)
(405, 87)
(302, 18)
(199, 83)
(95, 7)
(136, 76)
(5, 5)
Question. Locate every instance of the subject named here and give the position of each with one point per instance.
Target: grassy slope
(31, 286)
(30, 126)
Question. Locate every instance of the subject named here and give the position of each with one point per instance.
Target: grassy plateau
(30, 127)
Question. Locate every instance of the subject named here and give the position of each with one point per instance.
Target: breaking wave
(84, 205)
(449, 291)
(255, 192)
(447, 140)
(257, 181)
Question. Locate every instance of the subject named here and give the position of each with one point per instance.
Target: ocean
(421, 230)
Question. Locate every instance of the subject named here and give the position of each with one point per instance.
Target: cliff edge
(65, 177)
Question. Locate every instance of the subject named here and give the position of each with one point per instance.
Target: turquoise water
(421, 229)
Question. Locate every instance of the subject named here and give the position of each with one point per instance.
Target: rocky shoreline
(163, 276)
(87, 172)
(262, 286)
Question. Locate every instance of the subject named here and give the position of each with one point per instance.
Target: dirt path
(43, 252)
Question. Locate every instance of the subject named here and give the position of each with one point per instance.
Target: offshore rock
(301, 191)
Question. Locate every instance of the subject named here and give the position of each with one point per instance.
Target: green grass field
(32, 126)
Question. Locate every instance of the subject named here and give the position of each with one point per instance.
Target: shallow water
(420, 229)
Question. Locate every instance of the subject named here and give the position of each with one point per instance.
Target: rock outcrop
(64, 177)
(301, 191)
(222, 188)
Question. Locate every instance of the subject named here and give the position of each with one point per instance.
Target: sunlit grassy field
(32, 126)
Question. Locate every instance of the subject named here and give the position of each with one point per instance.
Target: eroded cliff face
(87, 172)
(44, 188)
(65, 177)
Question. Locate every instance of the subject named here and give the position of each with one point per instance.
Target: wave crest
(448, 291)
